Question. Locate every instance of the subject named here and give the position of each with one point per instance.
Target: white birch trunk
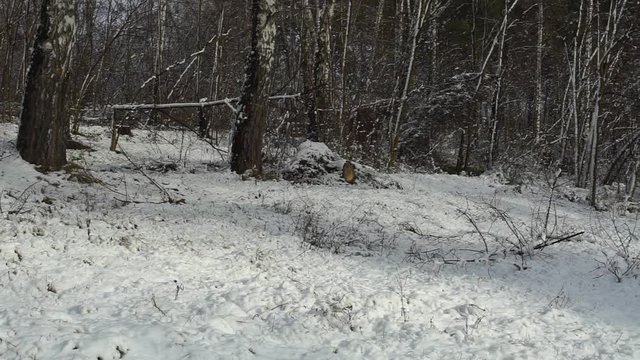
(419, 18)
(160, 42)
(343, 89)
(497, 96)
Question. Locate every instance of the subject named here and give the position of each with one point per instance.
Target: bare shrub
(359, 231)
(545, 228)
(560, 301)
(621, 249)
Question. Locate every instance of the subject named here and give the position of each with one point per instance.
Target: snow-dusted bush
(312, 163)
(620, 249)
(315, 163)
(358, 231)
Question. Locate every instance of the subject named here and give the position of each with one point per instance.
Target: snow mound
(314, 163)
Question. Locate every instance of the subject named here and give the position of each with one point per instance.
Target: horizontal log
(203, 104)
(172, 105)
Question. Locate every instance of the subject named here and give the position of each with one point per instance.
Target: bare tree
(322, 71)
(306, 65)
(539, 94)
(419, 14)
(343, 87)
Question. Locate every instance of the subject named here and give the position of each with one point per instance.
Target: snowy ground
(110, 270)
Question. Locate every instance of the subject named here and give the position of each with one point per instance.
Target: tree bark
(343, 87)
(322, 71)
(41, 137)
(498, 89)
(246, 149)
(306, 65)
(539, 94)
(419, 14)
(158, 61)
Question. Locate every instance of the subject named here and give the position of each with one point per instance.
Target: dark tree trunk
(246, 149)
(460, 162)
(41, 137)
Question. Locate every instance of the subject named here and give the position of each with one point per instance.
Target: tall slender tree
(419, 15)
(322, 71)
(539, 93)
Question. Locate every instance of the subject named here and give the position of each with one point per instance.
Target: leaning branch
(170, 199)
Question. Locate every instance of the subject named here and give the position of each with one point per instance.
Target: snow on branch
(202, 104)
(172, 105)
(183, 61)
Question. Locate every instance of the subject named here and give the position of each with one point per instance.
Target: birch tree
(246, 149)
(158, 61)
(605, 59)
(419, 13)
(322, 71)
(539, 50)
(343, 67)
(306, 67)
(41, 136)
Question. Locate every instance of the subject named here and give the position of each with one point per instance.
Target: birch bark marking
(246, 148)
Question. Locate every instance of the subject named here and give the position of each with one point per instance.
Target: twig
(179, 287)
(139, 168)
(565, 238)
(227, 102)
(473, 222)
(550, 203)
(21, 199)
(463, 261)
(180, 122)
(126, 202)
(155, 305)
(279, 306)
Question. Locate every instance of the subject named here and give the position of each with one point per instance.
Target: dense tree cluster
(461, 85)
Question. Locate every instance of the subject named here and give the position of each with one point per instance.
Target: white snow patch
(107, 270)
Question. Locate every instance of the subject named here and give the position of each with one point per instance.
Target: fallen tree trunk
(133, 107)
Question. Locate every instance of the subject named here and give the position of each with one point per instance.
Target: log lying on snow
(173, 105)
(203, 104)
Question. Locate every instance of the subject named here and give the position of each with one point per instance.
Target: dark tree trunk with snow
(246, 150)
(41, 138)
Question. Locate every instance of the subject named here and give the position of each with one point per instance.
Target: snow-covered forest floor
(96, 264)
